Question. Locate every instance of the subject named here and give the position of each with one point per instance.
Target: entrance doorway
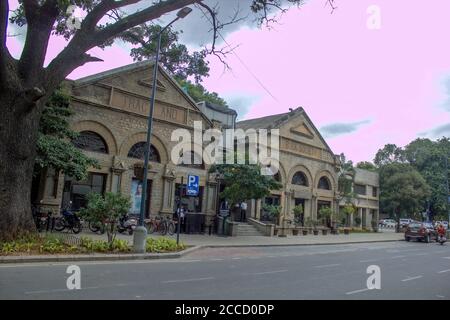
(326, 221)
(300, 202)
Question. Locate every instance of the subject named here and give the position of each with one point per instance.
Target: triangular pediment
(303, 130)
(148, 82)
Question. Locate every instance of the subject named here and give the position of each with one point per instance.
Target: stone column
(258, 209)
(168, 191)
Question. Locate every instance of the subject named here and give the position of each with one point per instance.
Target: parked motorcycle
(127, 223)
(442, 239)
(42, 220)
(68, 220)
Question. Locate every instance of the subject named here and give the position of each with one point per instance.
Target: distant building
(222, 116)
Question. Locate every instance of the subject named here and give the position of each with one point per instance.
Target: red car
(421, 232)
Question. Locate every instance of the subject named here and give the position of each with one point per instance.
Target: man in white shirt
(243, 211)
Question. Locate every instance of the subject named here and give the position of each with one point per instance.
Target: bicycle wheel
(60, 224)
(76, 228)
(163, 228)
(94, 226)
(171, 228)
(150, 227)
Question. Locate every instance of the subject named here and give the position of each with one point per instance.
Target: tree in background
(54, 147)
(403, 191)
(366, 165)
(389, 154)
(198, 93)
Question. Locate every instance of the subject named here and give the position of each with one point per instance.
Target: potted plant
(308, 226)
(298, 212)
(325, 215)
(358, 221)
(346, 230)
(315, 230)
(348, 210)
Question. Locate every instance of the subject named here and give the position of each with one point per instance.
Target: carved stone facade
(114, 105)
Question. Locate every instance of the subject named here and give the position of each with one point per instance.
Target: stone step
(245, 229)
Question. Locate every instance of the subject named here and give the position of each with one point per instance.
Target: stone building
(308, 172)
(111, 110)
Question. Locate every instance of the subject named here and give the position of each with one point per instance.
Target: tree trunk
(19, 123)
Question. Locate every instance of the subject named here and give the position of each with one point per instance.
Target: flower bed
(51, 244)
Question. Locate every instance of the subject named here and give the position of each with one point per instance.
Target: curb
(96, 257)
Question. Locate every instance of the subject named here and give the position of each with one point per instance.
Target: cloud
(437, 132)
(446, 104)
(240, 102)
(337, 129)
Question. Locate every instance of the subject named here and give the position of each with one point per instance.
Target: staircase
(245, 229)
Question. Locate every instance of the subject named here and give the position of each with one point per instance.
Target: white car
(388, 223)
(405, 222)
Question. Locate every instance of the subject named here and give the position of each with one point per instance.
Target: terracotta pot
(324, 232)
(346, 231)
(295, 232)
(305, 232)
(316, 232)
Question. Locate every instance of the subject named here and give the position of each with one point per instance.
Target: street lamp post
(140, 233)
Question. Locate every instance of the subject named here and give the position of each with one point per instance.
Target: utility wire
(239, 58)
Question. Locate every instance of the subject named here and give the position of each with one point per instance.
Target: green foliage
(117, 245)
(358, 220)
(163, 245)
(325, 212)
(244, 181)
(366, 165)
(403, 189)
(389, 154)
(198, 93)
(174, 56)
(298, 211)
(430, 159)
(106, 210)
(273, 210)
(346, 177)
(54, 147)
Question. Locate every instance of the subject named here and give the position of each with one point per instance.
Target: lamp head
(184, 12)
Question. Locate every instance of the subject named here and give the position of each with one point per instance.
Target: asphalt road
(408, 271)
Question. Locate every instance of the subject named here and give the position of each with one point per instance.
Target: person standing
(243, 211)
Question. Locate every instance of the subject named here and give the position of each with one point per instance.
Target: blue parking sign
(192, 185)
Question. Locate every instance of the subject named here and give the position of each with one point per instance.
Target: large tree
(26, 84)
(403, 191)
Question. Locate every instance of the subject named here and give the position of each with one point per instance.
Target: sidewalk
(218, 241)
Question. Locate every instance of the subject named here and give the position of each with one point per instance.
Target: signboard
(192, 185)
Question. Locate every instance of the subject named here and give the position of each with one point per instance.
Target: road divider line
(357, 291)
(398, 257)
(444, 271)
(188, 280)
(412, 278)
(369, 260)
(328, 265)
(269, 272)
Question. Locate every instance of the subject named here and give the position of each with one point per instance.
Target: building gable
(129, 89)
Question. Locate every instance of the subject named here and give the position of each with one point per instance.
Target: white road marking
(57, 290)
(369, 260)
(236, 258)
(412, 278)
(328, 265)
(269, 272)
(357, 291)
(217, 259)
(444, 271)
(187, 280)
(446, 257)
(421, 254)
(398, 257)
(439, 296)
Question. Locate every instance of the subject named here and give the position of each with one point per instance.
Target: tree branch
(39, 27)
(84, 39)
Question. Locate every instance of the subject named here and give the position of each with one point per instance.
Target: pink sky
(391, 80)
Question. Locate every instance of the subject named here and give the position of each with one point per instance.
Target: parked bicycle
(161, 225)
(68, 220)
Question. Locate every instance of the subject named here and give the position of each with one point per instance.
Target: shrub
(163, 245)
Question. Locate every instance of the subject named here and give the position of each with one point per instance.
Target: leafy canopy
(54, 147)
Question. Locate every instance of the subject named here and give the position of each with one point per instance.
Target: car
(387, 223)
(420, 231)
(444, 223)
(405, 222)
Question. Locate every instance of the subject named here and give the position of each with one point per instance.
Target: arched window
(137, 151)
(193, 160)
(324, 184)
(90, 141)
(300, 179)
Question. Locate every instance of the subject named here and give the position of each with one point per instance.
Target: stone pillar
(168, 191)
(258, 209)
(211, 201)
